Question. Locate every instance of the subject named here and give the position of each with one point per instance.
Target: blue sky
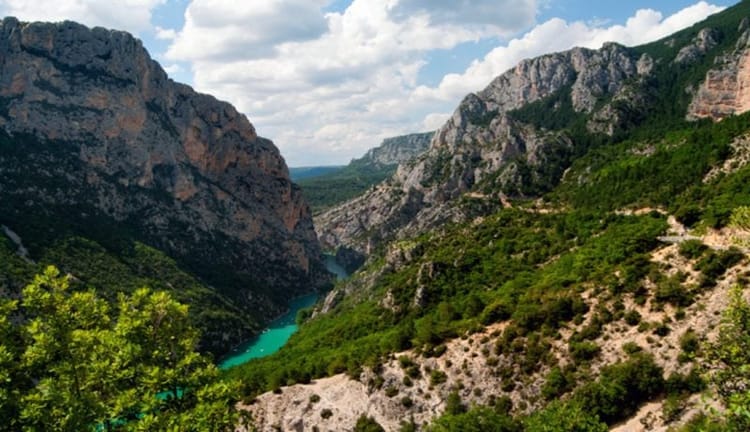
(328, 79)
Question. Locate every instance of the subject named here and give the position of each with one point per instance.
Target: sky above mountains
(328, 79)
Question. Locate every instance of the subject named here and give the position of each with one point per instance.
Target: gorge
(569, 251)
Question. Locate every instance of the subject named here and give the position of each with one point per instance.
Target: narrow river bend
(278, 331)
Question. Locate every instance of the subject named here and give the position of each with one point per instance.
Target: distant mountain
(301, 173)
(396, 150)
(105, 161)
(326, 190)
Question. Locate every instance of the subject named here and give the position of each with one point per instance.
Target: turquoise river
(280, 330)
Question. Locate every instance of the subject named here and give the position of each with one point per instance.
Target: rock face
(393, 151)
(509, 138)
(702, 43)
(726, 89)
(100, 128)
(484, 139)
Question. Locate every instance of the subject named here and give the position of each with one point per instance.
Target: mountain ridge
(518, 135)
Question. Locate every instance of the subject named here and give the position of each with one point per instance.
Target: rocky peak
(482, 139)
(590, 75)
(185, 171)
(704, 41)
(393, 151)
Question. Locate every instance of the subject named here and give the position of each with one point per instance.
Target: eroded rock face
(184, 171)
(726, 89)
(483, 140)
(704, 41)
(396, 150)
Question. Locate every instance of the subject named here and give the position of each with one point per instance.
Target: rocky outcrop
(393, 151)
(97, 126)
(484, 141)
(726, 88)
(704, 41)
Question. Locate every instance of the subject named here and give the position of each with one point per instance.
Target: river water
(280, 330)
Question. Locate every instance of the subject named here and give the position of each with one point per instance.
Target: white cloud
(228, 30)
(434, 121)
(130, 15)
(558, 35)
(165, 34)
(326, 94)
(173, 69)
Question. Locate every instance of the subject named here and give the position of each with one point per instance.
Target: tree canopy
(71, 361)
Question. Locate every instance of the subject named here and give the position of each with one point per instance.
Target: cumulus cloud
(173, 69)
(328, 94)
(130, 15)
(165, 34)
(227, 30)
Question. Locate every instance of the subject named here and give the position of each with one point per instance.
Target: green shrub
(437, 377)
(405, 361)
(391, 391)
(692, 249)
(673, 406)
(495, 312)
(715, 264)
(569, 416)
(583, 351)
(689, 342)
(413, 371)
(632, 317)
(631, 348)
(454, 405)
(678, 383)
(557, 384)
(672, 291)
(477, 419)
(367, 424)
(622, 388)
(662, 329)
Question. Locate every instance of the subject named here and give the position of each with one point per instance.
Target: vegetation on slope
(327, 190)
(110, 273)
(528, 266)
(301, 173)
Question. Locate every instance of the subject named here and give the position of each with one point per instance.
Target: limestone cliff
(396, 150)
(726, 88)
(484, 141)
(102, 137)
(518, 136)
